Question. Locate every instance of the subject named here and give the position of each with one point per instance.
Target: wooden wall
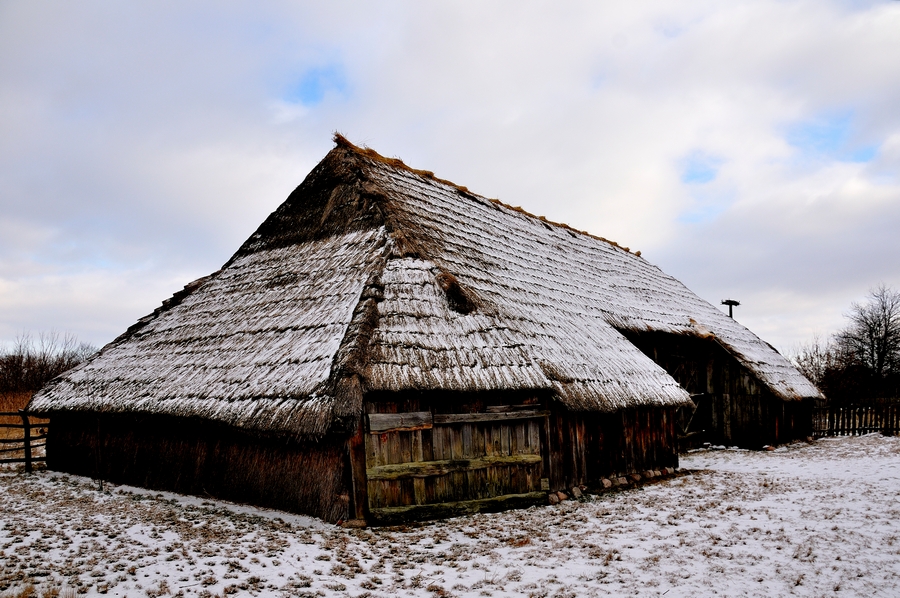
(733, 407)
(438, 454)
(203, 459)
(415, 455)
(589, 446)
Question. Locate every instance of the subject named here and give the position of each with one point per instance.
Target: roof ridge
(367, 152)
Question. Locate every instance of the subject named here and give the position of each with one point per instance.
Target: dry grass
(802, 520)
(30, 591)
(11, 403)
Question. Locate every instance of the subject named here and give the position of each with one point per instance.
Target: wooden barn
(388, 345)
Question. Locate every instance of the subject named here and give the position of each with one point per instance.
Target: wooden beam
(379, 423)
(356, 448)
(424, 469)
(503, 408)
(464, 418)
(393, 515)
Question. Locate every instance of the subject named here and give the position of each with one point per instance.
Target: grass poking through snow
(804, 520)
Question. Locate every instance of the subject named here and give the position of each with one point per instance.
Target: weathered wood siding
(204, 459)
(733, 408)
(417, 456)
(586, 447)
(430, 456)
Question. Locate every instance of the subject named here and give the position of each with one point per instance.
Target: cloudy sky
(749, 148)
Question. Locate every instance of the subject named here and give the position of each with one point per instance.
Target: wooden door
(421, 458)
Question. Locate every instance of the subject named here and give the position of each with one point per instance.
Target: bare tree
(872, 339)
(816, 358)
(31, 364)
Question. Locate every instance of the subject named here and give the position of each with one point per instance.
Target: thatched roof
(374, 276)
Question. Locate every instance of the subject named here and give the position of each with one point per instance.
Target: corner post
(359, 505)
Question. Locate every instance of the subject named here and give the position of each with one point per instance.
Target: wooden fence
(23, 444)
(855, 421)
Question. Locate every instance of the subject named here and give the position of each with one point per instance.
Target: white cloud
(158, 137)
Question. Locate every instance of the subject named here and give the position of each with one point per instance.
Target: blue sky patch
(829, 136)
(701, 214)
(699, 168)
(310, 90)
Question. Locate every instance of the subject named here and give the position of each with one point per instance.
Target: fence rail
(24, 444)
(855, 421)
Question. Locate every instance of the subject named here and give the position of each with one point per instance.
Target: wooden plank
(407, 492)
(459, 418)
(505, 441)
(492, 488)
(534, 437)
(410, 420)
(416, 452)
(456, 448)
(438, 468)
(419, 491)
(496, 444)
(374, 494)
(437, 444)
(392, 515)
(477, 483)
(356, 449)
(391, 442)
(545, 448)
(521, 444)
(468, 442)
(427, 448)
(441, 488)
(479, 440)
(405, 442)
(505, 408)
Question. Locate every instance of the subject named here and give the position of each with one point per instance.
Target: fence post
(26, 438)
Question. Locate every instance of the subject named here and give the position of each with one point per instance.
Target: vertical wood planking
(496, 439)
(504, 440)
(479, 439)
(404, 441)
(521, 445)
(456, 441)
(427, 445)
(547, 460)
(456, 447)
(467, 442)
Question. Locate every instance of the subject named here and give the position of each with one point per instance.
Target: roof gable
(375, 276)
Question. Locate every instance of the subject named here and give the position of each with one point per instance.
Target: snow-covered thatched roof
(374, 276)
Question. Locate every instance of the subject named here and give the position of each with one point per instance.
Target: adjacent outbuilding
(388, 345)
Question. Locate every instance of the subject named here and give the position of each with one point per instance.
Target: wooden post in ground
(26, 439)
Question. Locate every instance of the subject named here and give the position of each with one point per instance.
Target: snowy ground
(808, 520)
